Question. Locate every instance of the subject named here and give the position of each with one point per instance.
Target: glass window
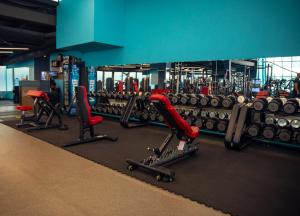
(2, 78)
(107, 74)
(9, 79)
(21, 73)
(117, 76)
(100, 76)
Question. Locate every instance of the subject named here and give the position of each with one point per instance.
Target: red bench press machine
(165, 155)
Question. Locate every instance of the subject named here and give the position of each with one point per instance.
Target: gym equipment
(253, 130)
(42, 101)
(86, 120)
(25, 120)
(276, 104)
(285, 134)
(163, 155)
(269, 132)
(216, 101)
(205, 100)
(229, 101)
(291, 106)
(260, 104)
(134, 100)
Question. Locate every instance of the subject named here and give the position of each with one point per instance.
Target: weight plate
(258, 105)
(289, 108)
(285, 136)
(273, 106)
(215, 102)
(268, 133)
(222, 126)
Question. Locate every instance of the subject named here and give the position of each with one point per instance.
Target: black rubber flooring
(260, 180)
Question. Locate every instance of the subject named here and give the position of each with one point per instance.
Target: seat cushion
(95, 120)
(24, 108)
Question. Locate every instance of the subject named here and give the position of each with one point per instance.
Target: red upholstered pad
(191, 132)
(95, 120)
(24, 108)
(38, 94)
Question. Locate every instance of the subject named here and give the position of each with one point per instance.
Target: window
(21, 73)
(284, 67)
(9, 79)
(2, 78)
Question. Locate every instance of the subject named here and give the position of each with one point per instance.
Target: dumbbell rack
(188, 109)
(262, 125)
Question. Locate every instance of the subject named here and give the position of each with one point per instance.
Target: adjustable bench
(86, 120)
(164, 155)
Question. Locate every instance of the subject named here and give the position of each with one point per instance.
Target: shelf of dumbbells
(271, 123)
(211, 114)
(210, 118)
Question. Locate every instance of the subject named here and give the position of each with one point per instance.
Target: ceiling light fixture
(6, 52)
(14, 48)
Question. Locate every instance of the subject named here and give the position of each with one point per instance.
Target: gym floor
(40, 179)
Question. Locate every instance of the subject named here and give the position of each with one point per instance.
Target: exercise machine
(86, 120)
(165, 154)
(42, 105)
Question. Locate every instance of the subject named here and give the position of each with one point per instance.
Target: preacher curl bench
(42, 107)
(86, 120)
(164, 155)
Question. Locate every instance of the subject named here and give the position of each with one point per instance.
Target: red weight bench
(25, 120)
(165, 155)
(43, 107)
(86, 120)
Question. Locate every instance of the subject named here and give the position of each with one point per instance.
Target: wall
(190, 30)
(41, 64)
(75, 22)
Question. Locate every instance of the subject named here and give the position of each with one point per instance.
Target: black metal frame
(82, 111)
(162, 155)
(124, 120)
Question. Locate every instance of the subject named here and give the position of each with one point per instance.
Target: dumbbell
(291, 106)
(205, 100)
(222, 125)
(297, 137)
(110, 109)
(216, 101)
(211, 124)
(229, 101)
(269, 132)
(194, 99)
(223, 115)
(175, 99)
(242, 99)
(184, 98)
(253, 130)
(199, 122)
(276, 104)
(261, 104)
(285, 134)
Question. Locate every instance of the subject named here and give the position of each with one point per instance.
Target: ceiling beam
(27, 15)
